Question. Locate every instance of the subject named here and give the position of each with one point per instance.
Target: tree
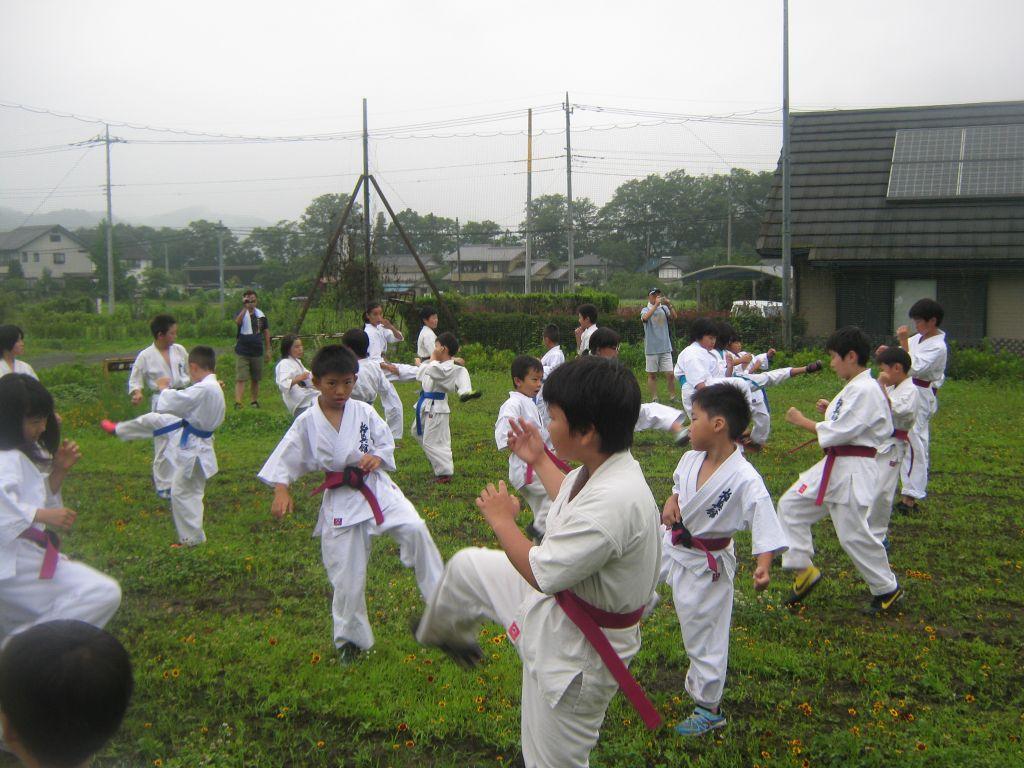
(484, 232)
(550, 240)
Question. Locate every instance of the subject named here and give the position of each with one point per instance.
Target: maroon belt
(551, 455)
(925, 384)
(903, 434)
(830, 458)
(49, 541)
(681, 537)
(352, 477)
(589, 620)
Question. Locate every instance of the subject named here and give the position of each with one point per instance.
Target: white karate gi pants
(914, 477)
(797, 513)
(142, 428)
(187, 492)
(76, 591)
(761, 426)
(394, 411)
(346, 553)
(704, 608)
(539, 501)
(889, 465)
(436, 441)
(481, 585)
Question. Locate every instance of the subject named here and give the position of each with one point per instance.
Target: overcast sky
(272, 69)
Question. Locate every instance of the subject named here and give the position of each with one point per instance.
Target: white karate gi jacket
(295, 395)
(371, 382)
(425, 343)
(903, 402)
(858, 415)
(928, 362)
(150, 365)
(697, 365)
(585, 339)
(446, 376)
(202, 406)
(24, 489)
(517, 406)
(553, 358)
(19, 367)
(604, 545)
(312, 444)
(380, 337)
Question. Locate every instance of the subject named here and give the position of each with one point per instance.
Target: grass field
(232, 642)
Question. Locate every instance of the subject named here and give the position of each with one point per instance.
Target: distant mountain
(73, 218)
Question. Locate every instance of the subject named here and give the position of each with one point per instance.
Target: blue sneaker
(701, 721)
(164, 494)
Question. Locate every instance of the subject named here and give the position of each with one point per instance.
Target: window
(35, 258)
(904, 294)
(58, 258)
(24, 257)
(54, 238)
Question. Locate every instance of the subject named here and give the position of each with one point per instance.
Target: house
(400, 272)
(135, 258)
(893, 205)
(496, 269)
(667, 268)
(200, 277)
(48, 247)
(592, 269)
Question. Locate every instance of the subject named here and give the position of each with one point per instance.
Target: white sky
(275, 68)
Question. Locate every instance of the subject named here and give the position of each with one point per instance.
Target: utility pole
(458, 251)
(167, 262)
(366, 209)
(110, 232)
(568, 198)
(787, 256)
(728, 234)
(220, 262)
(529, 199)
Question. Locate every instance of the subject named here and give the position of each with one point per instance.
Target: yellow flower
(969, 698)
(410, 743)
(158, 762)
(314, 659)
(921, 746)
(852, 712)
(320, 744)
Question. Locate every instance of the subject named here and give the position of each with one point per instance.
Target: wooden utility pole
(570, 235)
(529, 199)
(110, 232)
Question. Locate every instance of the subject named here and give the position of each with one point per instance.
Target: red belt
(901, 434)
(352, 477)
(49, 541)
(681, 536)
(551, 455)
(830, 459)
(925, 384)
(589, 620)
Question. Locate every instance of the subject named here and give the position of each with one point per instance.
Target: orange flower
(314, 659)
(409, 744)
(320, 744)
(921, 746)
(852, 712)
(969, 698)
(272, 641)
(403, 727)
(158, 762)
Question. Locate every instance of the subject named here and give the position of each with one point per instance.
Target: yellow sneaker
(804, 582)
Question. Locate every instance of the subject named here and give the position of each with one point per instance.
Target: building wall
(39, 255)
(1005, 298)
(816, 298)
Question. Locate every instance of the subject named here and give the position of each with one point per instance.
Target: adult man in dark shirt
(252, 346)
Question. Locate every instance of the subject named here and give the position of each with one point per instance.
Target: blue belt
(425, 396)
(186, 430)
(682, 381)
(757, 388)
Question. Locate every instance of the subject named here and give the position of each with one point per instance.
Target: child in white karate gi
(428, 335)
(348, 441)
(715, 493)
(587, 315)
(697, 363)
(902, 395)
(188, 417)
(928, 354)
(64, 688)
(12, 346)
(844, 483)
(584, 587)
(521, 404)
(38, 584)
(439, 377)
(371, 381)
(552, 358)
(164, 358)
(293, 378)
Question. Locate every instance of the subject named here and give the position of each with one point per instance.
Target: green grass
(232, 642)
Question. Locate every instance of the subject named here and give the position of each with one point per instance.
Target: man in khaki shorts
(252, 346)
(656, 317)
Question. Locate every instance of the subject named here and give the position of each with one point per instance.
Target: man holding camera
(658, 342)
(252, 346)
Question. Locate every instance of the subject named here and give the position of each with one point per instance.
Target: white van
(757, 307)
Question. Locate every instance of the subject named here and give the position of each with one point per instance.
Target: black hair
(726, 401)
(204, 357)
(449, 342)
(64, 687)
(600, 393)
(23, 397)
(369, 308)
(426, 313)
(9, 335)
(334, 358)
(926, 309)
(703, 326)
(894, 356)
(161, 324)
(725, 335)
(358, 341)
(287, 342)
(551, 332)
(589, 311)
(522, 366)
(250, 292)
(850, 339)
(604, 338)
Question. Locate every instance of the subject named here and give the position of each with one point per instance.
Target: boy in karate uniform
(521, 404)
(715, 492)
(928, 353)
(587, 315)
(438, 377)
(584, 588)
(761, 415)
(348, 441)
(842, 485)
(902, 395)
(552, 358)
(697, 363)
(371, 382)
(428, 335)
(292, 377)
(188, 417)
(162, 359)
